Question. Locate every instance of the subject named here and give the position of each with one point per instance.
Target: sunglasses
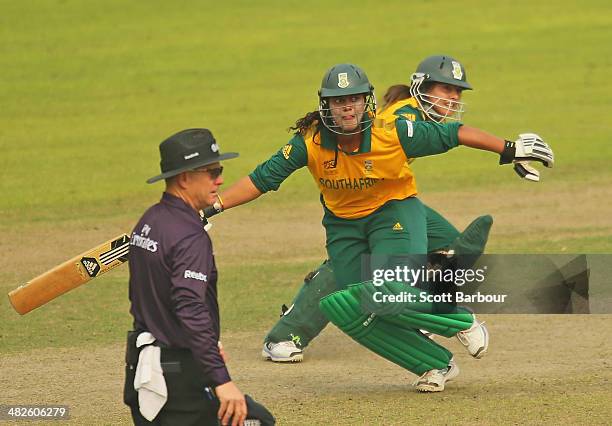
(213, 173)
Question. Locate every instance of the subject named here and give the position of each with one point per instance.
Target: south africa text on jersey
(354, 184)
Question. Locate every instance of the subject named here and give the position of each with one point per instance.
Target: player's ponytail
(303, 124)
(396, 93)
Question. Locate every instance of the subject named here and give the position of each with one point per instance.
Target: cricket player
(368, 191)
(435, 95)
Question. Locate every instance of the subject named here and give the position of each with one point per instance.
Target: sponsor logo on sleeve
(408, 116)
(409, 128)
(286, 151)
(143, 241)
(195, 275)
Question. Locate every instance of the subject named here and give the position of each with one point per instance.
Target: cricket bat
(70, 274)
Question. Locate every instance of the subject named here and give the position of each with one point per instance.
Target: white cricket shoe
(282, 352)
(434, 380)
(475, 339)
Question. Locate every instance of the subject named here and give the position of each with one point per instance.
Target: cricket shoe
(475, 339)
(282, 352)
(434, 380)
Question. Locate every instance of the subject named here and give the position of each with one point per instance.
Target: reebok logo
(398, 227)
(195, 275)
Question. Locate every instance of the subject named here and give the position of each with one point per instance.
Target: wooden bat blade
(70, 274)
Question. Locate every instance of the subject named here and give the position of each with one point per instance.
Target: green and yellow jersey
(404, 108)
(354, 185)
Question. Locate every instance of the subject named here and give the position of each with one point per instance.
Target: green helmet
(345, 80)
(439, 69)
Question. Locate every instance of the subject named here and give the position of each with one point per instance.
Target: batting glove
(528, 147)
(531, 147)
(526, 171)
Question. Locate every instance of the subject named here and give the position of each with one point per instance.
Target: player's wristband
(508, 154)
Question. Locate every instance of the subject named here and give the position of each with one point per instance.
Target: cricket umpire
(175, 365)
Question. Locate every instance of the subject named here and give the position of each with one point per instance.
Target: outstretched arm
(239, 193)
(268, 176)
(420, 139)
(528, 147)
(479, 139)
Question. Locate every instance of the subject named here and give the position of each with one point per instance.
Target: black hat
(188, 150)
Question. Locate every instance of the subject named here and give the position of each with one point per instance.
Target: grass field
(89, 89)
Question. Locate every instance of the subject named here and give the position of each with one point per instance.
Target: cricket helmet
(439, 69)
(345, 80)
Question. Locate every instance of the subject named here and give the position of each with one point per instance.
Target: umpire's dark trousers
(188, 402)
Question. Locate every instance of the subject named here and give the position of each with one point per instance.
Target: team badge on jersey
(329, 164)
(286, 151)
(343, 81)
(457, 71)
(368, 166)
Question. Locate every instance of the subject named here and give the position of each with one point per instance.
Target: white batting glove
(527, 148)
(526, 171)
(531, 147)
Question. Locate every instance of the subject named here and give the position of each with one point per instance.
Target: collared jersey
(354, 185)
(173, 283)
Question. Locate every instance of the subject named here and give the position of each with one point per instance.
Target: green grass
(90, 89)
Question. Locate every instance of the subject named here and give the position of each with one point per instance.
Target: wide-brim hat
(188, 150)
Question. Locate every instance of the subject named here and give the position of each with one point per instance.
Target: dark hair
(399, 92)
(302, 125)
(395, 93)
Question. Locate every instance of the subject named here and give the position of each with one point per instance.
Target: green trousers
(304, 321)
(397, 228)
